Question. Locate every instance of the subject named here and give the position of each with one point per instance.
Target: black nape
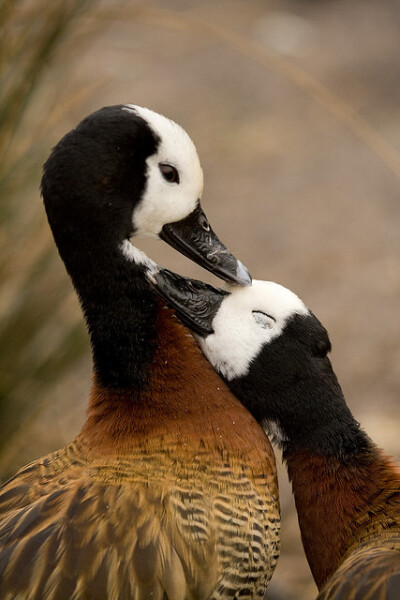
(94, 178)
(92, 181)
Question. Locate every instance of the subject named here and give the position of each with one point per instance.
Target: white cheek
(232, 353)
(163, 202)
(238, 338)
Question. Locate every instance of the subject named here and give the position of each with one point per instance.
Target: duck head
(271, 351)
(127, 171)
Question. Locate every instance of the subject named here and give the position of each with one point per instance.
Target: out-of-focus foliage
(34, 35)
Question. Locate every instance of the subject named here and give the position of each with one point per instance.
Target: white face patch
(247, 319)
(164, 202)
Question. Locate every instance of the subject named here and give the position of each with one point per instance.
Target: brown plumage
(347, 492)
(169, 494)
(352, 534)
(369, 571)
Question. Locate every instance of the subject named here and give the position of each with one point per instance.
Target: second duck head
(273, 354)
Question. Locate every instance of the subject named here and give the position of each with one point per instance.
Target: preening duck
(169, 491)
(273, 354)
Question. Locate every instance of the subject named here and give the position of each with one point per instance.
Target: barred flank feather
(141, 527)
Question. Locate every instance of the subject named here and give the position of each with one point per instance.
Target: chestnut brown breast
(170, 493)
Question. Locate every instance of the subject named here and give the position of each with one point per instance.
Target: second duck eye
(265, 321)
(169, 172)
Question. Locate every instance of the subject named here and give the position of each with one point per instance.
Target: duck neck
(185, 408)
(341, 488)
(118, 306)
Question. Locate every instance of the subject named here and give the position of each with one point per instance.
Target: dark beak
(194, 238)
(196, 303)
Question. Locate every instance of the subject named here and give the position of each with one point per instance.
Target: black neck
(338, 436)
(92, 182)
(117, 303)
(326, 427)
(305, 406)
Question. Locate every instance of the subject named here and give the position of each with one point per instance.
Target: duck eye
(265, 321)
(169, 173)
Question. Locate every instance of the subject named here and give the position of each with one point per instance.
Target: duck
(169, 490)
(273, 353)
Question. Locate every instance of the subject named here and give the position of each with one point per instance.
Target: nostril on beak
(204, 224)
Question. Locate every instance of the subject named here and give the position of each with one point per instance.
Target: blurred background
(294, 106)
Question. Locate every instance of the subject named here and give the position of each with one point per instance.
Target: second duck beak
(196, 303)
(194, 238)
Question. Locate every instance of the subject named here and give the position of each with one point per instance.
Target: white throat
(136, 256)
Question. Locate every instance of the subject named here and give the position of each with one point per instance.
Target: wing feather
(75, 530)
(85, 539)
(371, 573)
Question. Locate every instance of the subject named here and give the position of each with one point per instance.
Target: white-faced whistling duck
(272, 353)
(169, 491)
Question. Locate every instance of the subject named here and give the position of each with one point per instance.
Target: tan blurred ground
(290, 188)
